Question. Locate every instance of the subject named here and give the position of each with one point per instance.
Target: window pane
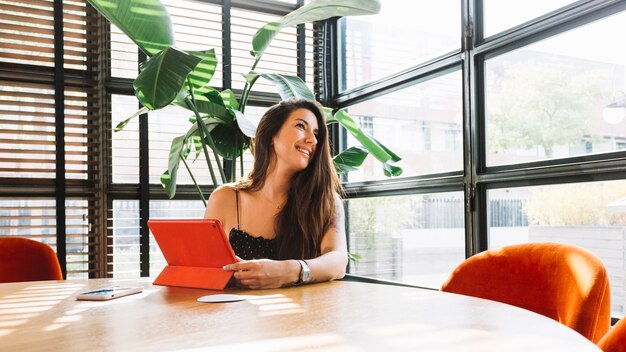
(27, 131)
(31, 218)
(123, 240)
(397, 38)
(547, 100)
(417, 239)
(501, 15)
(125, 143)
(81, 233)
(279, 57)
(422, 124)
(591, 215)
(124, 55)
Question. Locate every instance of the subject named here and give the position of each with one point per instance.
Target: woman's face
(295, 142)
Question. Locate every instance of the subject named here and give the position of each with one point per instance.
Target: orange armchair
(615, 339)
(566, 283)
(22, 259)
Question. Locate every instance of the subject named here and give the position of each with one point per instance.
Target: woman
(286, 217)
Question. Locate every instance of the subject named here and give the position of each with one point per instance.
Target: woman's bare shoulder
(223, 194)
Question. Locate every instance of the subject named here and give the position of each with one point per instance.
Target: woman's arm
(330, 265)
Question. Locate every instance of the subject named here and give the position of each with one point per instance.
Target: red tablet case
(195, 251)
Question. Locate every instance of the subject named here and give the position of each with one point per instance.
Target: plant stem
(204, 132)
(247, 88)
(194, 180)
(220, 167)
(233, 173)
(201, 132)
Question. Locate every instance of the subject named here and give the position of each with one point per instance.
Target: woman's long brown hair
(310, 206)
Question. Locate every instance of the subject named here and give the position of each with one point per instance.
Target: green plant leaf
(354, 257)
(168, 178)
(163, 77)
(168, 184)
(394, 158)
(330, 118)
(145, 22)
(205, 69)
(205, 105)
(251, 77)
(289, 86)
(120, 126)
(391, 170)
(179, 147)
(225, 138)
(350, 159)
(245, 125)
(316, 10)
(370, 144)
(229, 99)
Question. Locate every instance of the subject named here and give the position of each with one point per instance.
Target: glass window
(422, 124)
(125, 143)
(279, 57)
(27, 128)
(124, 55)
(123, 242)
(591, 215)
(33, 218)
(397, 38)
(501, 15)
(80, 234)
(552, 99)
(416, 239)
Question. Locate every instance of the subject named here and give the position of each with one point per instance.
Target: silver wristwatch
(305, 273)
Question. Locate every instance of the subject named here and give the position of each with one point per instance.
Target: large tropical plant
(172, 75)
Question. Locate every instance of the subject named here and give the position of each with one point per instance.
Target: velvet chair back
(566, 283)
(615, 339)
(22, 259)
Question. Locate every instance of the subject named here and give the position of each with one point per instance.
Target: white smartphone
(107, 293)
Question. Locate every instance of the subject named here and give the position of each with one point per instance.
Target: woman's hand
(265, 273)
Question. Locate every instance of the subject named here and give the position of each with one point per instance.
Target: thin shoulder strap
(237, 201)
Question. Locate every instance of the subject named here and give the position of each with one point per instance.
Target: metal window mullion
(105, 169)
(144, 190)
(227, 72)
(476, 225)
(59, 110)
(226, 46)
(330, 40)
(301, 47)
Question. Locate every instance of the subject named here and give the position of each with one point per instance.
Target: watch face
(306, 275)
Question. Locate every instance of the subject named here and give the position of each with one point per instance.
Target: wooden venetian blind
(280, 57)
(29, 120)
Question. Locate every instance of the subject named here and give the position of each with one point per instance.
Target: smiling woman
(286, 217)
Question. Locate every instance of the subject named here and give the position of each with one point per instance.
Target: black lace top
(248, 247)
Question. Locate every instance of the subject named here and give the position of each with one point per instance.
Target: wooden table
(333, 316)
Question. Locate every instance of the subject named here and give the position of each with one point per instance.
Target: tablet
(195, 251)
